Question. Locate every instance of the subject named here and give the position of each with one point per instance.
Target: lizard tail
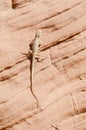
(31, 84)
(35, 98)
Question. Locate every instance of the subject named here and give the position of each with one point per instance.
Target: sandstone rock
(59, 80)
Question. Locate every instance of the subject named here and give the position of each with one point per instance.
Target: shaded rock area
(59, 80)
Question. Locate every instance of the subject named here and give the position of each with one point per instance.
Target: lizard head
(38, 33)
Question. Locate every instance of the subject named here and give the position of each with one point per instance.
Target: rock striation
(59, 80)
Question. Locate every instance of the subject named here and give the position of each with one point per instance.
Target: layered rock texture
(59, 80)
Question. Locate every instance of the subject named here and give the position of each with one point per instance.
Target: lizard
(33, 53)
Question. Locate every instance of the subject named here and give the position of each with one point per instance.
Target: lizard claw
(40, 59)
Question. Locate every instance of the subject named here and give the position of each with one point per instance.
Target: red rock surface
(59, 80)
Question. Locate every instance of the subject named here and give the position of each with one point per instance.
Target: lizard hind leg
(37, 57)
(28, 55)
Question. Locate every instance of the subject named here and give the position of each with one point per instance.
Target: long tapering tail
(31, 80)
